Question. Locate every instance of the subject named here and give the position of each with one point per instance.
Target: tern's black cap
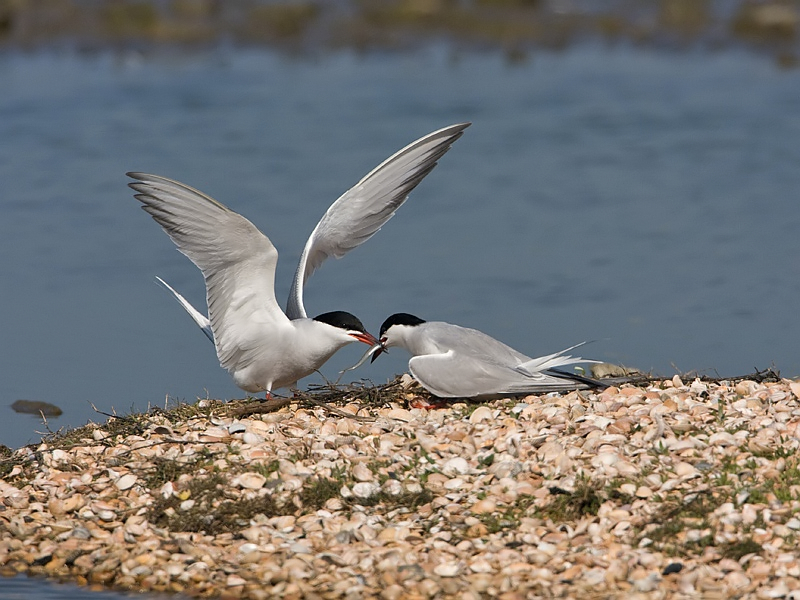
(342, 320)
(400, 319)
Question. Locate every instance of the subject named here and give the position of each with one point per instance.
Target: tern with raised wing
(262, 347)
(457, 362)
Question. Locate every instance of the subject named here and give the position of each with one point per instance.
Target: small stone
(671, 568)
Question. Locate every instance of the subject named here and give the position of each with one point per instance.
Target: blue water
(649, 201)
(27, 588)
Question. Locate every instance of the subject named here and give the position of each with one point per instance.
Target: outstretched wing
(362, 210)
(236, 259)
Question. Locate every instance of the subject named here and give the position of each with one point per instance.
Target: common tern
(457, 362)
(262, 347)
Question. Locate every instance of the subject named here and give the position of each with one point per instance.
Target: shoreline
(516, 27)
(667, 488)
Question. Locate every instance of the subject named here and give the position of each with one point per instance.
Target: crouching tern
(457, 362)
(262, 347)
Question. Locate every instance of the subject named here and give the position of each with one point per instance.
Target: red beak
(365, 338)
(378, 352)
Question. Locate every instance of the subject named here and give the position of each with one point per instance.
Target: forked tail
(198, 317)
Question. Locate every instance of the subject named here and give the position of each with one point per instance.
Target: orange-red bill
(366, 338)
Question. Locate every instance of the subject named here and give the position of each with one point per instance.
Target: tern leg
(435, 403)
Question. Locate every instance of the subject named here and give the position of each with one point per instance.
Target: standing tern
(457, 362)
(262, 347)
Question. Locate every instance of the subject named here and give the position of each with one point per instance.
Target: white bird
(457, 362)
(262, 347)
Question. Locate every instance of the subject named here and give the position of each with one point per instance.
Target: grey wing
(475, 344)
(237, 261)
(362, 210)
(469, 342)
(450, 375)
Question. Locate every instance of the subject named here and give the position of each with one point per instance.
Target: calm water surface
(648, 201)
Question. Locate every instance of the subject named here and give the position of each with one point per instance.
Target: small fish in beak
(376, 348)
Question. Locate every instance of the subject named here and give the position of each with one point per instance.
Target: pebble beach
(663, 489)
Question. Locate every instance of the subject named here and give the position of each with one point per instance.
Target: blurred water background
(645, 199)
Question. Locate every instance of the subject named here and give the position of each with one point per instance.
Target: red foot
(420, 402)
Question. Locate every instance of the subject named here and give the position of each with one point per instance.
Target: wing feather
(237, 261)
(361, 211)
(451, 375)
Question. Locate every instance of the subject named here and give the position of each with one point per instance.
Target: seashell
(549, 451)
(448, 569)
(250, 481)
(236, 427)
(73, 503)
(480, 565)
(392, 487)
(606, 459)
(365, 489)
(126, 482)
(234, 581)
(362, 473)
(134, 528)
(722, 438)
(487, 505)
(454, 484)
(59, 455)
(106, 515)
(481, 414)
(252, 439)
(749, 514)
(455, 466)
